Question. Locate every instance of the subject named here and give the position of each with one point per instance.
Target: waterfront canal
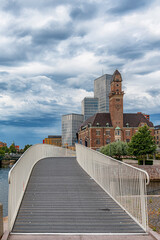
(4, 189)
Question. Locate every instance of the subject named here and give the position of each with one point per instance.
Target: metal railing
(124, 183)
(20, 173)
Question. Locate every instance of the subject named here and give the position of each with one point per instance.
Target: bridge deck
(62, 198)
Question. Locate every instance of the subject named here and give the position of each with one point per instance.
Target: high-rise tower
(101, 91)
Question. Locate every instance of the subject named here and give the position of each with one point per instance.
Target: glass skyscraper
(89, 107)
(70, 125)
(101, 91)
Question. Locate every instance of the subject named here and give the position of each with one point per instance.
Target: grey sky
(51, 52)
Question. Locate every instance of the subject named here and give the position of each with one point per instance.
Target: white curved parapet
(19, 174)
(124, 183)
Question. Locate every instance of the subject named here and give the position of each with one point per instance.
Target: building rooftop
(157, 127)
(54, 136)
(129, 119)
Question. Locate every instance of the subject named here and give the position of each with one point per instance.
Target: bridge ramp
(62, 198)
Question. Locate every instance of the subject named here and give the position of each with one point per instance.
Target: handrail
(124, 183)
(19, 174)
(141, 170)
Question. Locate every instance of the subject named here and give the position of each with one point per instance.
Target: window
(127, 133)
(98, 132)
(108, 132)
(98, 141)
(157, 137)
(118, 132)
(127, 140)
(108, 140)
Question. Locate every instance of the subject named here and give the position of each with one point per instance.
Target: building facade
(70, 125)
(103, 128)
(157, 135)
(55, 140)
(2, 144)
(101, 91)
(89, 107)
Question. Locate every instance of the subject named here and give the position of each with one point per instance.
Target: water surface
(4, 189)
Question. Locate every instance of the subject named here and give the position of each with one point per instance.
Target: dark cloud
(3, 86)
(12, 6)
(142, 72)
(60, 78)
(14, 56)
(41, 121)
(3, 73)
(154, 92)
(127, 51)
(51, 33)
(84, 12)
(125, 6)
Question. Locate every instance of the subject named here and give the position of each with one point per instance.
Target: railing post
(143, 203)
(1, 220)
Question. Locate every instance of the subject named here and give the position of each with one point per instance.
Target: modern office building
(89, 107)
(101, 91)
(70, 125)
(55, 140)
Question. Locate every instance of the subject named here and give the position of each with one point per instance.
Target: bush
(147, 162)
(158, 156)
(115, 149)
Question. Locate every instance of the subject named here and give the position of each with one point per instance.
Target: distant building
(55, 140)
(103, 128)
(70, 125)
(2, 144)
(157, 135)
(101, 91)
(89, 107)
(17, 148)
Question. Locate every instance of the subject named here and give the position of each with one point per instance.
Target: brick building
(53, 140)
(2, 144)
(157, 135)
(103, 128)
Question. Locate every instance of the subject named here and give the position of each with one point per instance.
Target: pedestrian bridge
(57, 191)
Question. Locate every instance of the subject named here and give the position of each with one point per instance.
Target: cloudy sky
(52, 50)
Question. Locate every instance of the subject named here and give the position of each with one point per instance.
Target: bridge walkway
(62, 198)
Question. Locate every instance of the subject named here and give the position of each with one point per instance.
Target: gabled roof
(134, 119)
(100, 118)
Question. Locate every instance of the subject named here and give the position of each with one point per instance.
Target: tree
(12, 148)
(2, 154)
(5, 149)
(26, 147)
(142, 143)
(116, 149)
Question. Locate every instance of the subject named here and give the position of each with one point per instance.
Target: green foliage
(5, 149)
(142, 143)
(12, 148)
(2, 154)
(26, 147)
(116, 149)
(147, 162)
